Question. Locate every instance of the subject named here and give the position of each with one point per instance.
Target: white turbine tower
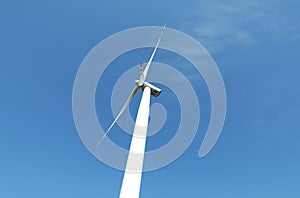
(134, 167)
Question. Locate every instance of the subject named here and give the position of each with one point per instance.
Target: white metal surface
(153, 53)
(134, 167)
(134, 91)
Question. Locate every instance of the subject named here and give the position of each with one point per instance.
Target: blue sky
(256, 45)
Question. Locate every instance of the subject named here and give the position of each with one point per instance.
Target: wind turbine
(134, 168)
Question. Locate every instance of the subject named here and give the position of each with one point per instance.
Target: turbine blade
(133, 93)
(141, 81)
(153, 53)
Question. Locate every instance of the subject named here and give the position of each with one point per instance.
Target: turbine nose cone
(140, 84)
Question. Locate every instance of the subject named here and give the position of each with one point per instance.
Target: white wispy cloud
(221, 24)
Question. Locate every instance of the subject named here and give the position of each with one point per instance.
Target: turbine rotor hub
(155, 91)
